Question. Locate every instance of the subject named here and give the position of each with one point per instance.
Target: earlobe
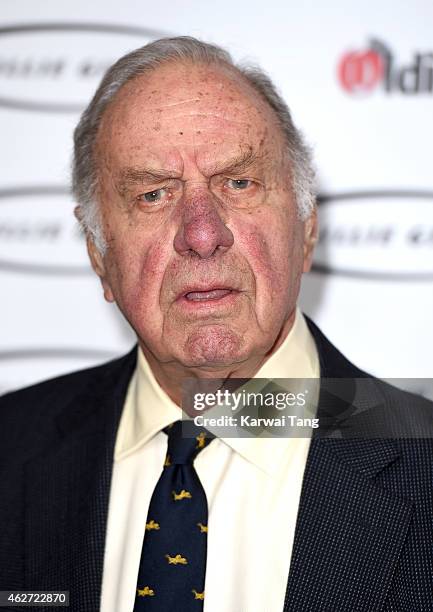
(311, 236)
(98, 265)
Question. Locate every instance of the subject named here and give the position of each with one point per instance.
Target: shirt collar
(148, 409)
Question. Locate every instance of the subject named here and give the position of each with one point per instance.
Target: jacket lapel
(349, 531)
(67, 492)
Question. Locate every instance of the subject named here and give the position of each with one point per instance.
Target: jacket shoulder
(51, 395)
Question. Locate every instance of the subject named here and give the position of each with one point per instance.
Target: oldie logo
(384, 235)
(39, 233)
(57, 67)
(376, 67)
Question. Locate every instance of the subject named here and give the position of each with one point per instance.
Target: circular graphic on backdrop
(56, 67)
(386, 235)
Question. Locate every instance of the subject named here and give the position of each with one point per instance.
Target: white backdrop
(358, 78)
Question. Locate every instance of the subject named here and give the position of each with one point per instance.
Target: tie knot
(185, 441)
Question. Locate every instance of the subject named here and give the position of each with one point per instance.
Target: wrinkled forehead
(216, 102)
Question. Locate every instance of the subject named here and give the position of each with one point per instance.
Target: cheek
(259, 255)
(271, 249)
(137, 273)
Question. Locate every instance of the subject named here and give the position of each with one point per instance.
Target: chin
(215, 346)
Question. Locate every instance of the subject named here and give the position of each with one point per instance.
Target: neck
(170, 375)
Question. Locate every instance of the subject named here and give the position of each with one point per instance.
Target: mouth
(207, 294)
(206, 297)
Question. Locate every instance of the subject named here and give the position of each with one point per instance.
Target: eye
(154, 196)
(239, 184)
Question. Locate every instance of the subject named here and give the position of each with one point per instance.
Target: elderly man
(195, 192)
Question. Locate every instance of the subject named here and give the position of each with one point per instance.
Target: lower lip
(226, 299)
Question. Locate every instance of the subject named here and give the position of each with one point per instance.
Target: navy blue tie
(173, 558)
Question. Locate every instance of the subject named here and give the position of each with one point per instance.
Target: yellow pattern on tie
(203, 528)
(152, 525)
(201, 440)
(145, 591)
(167, 461)
(182, 495)
(198, 595)
(178, 559)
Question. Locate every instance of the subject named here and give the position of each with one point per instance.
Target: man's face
(205, 249)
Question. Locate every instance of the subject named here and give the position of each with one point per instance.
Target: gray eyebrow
(132, 176)
(238, 164)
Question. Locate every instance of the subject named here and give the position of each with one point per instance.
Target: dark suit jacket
(364, 535)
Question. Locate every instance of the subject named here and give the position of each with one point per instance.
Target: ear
(311, 234)
(98, 265)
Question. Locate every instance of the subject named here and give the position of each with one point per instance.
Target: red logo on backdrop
(361, 71)
(375, 67)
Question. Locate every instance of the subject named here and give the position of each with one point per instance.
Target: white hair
(146, 59)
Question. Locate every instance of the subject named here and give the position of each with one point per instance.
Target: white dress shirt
(252, 487)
